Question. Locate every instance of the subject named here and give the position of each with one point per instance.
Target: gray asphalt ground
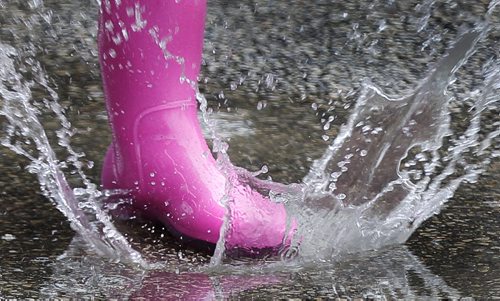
(281, 57)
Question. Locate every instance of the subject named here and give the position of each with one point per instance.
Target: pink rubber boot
(158, 152)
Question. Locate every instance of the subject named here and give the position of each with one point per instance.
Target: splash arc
(150, 52)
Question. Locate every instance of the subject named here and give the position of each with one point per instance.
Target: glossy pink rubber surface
(158, 152)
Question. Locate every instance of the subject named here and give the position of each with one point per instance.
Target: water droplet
(125, 34)
(117, 39)
(221, 95)
(139, 22)
(109, 26)
(269, 80)
(182, 79)
(79, 191)
(382, 25)
(363, 153)
(112, 53)
(8, 237)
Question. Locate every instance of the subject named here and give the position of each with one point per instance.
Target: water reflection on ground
(390, 273)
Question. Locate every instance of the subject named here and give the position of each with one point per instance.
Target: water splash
(388, 169)
(381, 273)
(391, 167)
(26, 136)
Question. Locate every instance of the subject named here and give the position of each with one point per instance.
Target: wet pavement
(272, 60)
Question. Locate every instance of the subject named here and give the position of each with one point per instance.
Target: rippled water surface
(388, 112)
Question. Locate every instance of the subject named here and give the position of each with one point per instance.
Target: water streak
(386, 173)
(26, 136)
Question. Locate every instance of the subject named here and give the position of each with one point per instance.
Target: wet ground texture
(272, 69)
